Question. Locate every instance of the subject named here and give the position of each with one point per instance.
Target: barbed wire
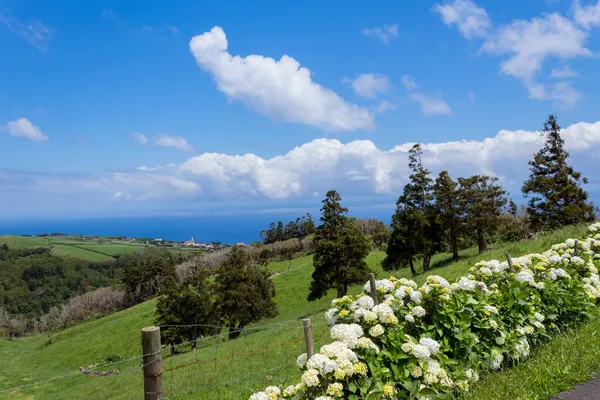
(234, 380)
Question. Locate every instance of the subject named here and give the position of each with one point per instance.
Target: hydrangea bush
(422, 342)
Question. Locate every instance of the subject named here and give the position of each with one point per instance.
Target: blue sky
(127, 107)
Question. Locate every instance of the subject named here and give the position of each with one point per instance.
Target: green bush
(432, 342)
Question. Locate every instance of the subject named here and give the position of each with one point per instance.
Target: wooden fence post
(152, 363)
(308, 338)
(373, 287)
(510, 263)
(576, 249)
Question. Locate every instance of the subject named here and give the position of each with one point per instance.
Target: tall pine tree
(556, 197)
(482, 200)
(340, 251)
(415, 227)
(447, 203)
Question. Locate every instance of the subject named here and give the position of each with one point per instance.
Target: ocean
(228, 229)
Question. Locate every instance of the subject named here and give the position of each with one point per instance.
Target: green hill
(260, 356)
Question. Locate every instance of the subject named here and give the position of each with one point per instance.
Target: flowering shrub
(420, 342)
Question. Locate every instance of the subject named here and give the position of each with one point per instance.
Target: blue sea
(228, 229)
(224, 229)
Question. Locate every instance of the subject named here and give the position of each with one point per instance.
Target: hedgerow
(433, 341)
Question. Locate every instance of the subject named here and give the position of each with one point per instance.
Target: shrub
(432, 341)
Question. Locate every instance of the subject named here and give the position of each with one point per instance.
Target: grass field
(260, 356)
(91, 250)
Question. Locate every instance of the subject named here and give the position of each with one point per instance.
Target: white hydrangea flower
(485, 271)
(490, 309)
(525, 276)
(310, 378)
(465, 284)
(376, 330)
(347, 333)
(528, 329)
(301, 360)
(438, 280)
(409, 318)
(539, 317)
(272, 391)
(416, 296)
(493, 324)
(561, 273)
(431, 344)
(321, 363)
(420, 351)
(540, 286)
(331, 316)
(369, 316)
(365, 302)
(384, 312)
(577, 260)
(500, 340)
(366, 343)
(259, 396)
(419, 311)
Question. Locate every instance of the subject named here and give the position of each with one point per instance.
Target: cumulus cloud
(281, 90)
(472, 21)
(369, 85)
(384, 33)
(528, 44)
(33, 31)
(587, 16)
(563, 72)
(176, 142)
(23, 128)
(139, 137)
(430, 105)
(357, 168)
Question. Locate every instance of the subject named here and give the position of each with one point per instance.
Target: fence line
(279, 326)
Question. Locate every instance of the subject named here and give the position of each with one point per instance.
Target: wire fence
(207, 368)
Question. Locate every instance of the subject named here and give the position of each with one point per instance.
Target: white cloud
(385, 33)
(430, 105)
(472, 21)
(369, 85)
(527, 44)
(34, 31)
(278, 89)
(139, 137)
(586, 16)
(563, 72)
(356, 168)
(530, 43)
(409, 82)
(23, 128)
(177, 142)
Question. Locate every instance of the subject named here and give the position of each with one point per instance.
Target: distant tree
(512, 208)
(144, 274)
(447, 203)
(306, 226)
(554, 187)
(420, 233)
(482, 200)
(191, 305)
(298, 229)
(374, 229)
(243, 292)
(340, 251)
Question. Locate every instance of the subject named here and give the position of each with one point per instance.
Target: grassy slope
(29, 359)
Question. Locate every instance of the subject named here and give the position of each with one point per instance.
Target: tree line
(298, 229)
(434, 214)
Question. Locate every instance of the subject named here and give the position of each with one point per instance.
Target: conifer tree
(340, 251)
(244, 292)
(556, 197)
(447, 203)
(416, 230)
(482, 200)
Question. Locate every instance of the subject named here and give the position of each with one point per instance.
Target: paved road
(589, 390)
